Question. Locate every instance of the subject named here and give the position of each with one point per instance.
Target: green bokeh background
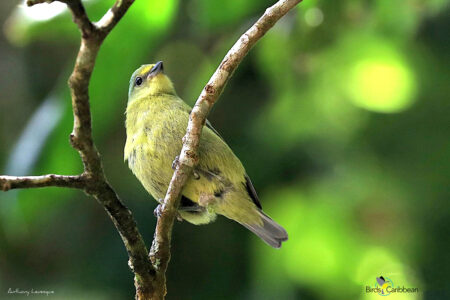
(340, 115)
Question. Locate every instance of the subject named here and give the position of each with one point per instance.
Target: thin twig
(112, 16)
(77, 9)
(22, 182)
(160, 251)
(34, 2)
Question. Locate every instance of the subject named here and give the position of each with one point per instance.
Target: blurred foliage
(340, 115)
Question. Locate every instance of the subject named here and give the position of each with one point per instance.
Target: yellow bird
(156, 121)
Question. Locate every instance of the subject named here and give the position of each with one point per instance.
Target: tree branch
(110, 19)
(34, 2)
(80, 17)
(160, 250)
(79, 14)
(81, 139)
(13, 182)
(93, 177)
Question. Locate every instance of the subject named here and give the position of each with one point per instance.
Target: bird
(156, 121)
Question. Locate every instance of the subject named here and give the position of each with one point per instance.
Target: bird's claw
(130, 265)
(175, 162)
(158, 210)
(179, 218)
(196, 176)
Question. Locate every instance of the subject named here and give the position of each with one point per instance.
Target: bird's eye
(138, 81)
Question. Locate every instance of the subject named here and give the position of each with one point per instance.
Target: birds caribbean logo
(384, 283)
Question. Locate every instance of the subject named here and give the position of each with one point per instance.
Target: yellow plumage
(156, 123)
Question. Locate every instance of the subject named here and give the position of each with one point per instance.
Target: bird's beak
(157, 68)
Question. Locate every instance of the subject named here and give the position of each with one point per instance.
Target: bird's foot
(179, 218)
(175, 162)
(130, 265)
(196, 176)
(159, 209)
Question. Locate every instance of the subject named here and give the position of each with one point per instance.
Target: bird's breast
(150, 149)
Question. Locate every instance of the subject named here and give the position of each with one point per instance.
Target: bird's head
(150, 80)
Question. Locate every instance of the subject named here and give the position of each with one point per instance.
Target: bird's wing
(209, 125)
(252, 192)
(248, 183)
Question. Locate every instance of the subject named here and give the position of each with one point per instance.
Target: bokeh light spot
(381, 84)
(158, 13)
(314, 17)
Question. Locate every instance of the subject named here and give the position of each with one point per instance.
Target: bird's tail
(269, 231)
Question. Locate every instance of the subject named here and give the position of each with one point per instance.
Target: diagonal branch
(80, 17)
(81, 139)
(112, 16)
(160, 251)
